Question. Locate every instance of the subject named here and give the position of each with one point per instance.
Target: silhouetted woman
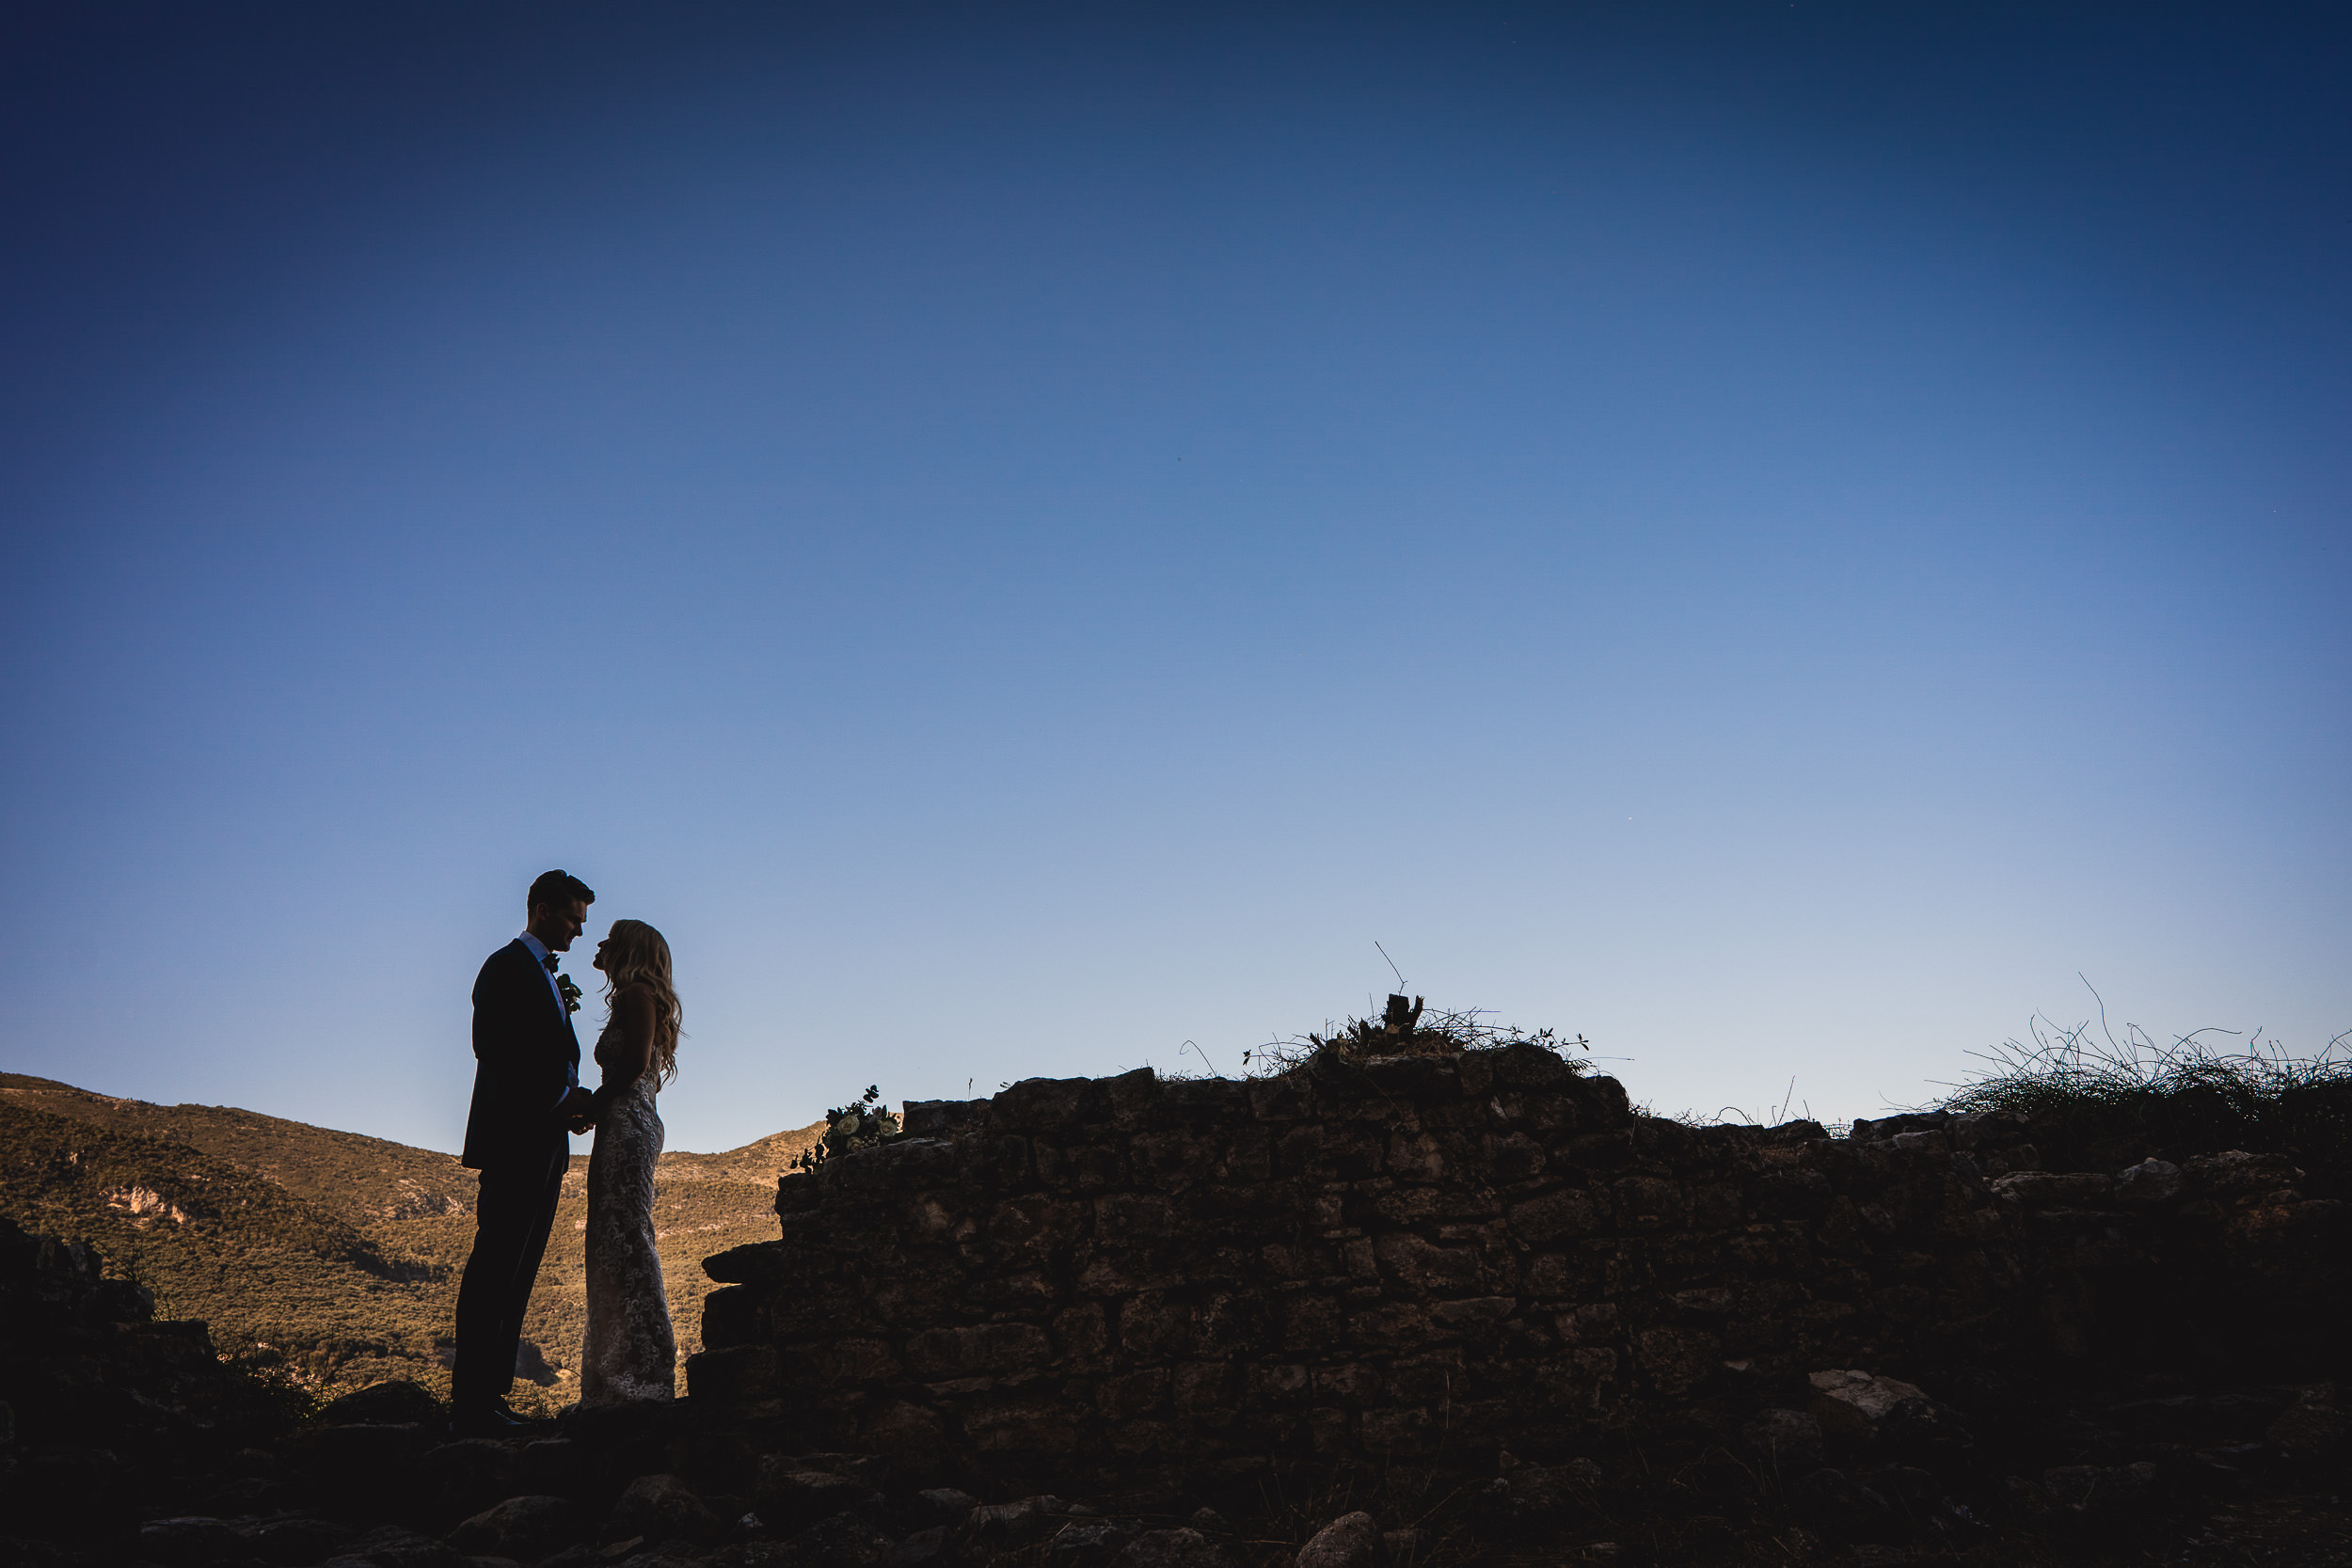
(631, 1354)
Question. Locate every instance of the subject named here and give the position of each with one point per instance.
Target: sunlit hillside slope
(330, 1255)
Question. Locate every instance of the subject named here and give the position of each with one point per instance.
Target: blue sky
(1772, 537)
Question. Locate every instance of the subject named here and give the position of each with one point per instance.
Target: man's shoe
(486, 1420)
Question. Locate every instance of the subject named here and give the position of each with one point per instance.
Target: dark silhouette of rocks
(1384, 1312)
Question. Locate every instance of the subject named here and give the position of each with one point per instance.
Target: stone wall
(1419, 1262)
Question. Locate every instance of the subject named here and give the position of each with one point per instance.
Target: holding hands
(578, 1110)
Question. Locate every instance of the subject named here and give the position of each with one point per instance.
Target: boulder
(1017, 1524)
(843, 1540)
(1172, 1549)
(789, 1499)
(525, 1529)
(2311, 1427)
(925, 1549)
(553, 1467)
(457, 1481)
(1088, 1544)
(1851, 1404)
(395, 1403)
(2149, 1183)
(193, 1539)
(394, 1547)
(663, 1508)
(947, 1505)
(291, 1542)
(2236, 1174)
(1350, 1541)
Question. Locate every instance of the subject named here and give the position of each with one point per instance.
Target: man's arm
(510, 1004)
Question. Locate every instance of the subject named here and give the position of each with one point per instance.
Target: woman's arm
(633, 1010)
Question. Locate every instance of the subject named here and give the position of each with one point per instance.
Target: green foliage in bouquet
(861, 1124)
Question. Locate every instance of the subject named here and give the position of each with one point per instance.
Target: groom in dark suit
(527, 1100)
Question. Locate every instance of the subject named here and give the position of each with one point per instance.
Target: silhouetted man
(527, 1100)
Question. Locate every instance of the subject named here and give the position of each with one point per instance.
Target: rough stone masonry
(1424, 1260)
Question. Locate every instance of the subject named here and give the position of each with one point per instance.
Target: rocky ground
(125, 1441)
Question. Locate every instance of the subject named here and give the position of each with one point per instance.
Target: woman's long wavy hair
(641, 957)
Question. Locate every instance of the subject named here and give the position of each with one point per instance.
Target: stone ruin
(1397, 1312)
(1145, 1288)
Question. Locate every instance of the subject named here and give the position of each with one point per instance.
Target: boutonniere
(567, 991)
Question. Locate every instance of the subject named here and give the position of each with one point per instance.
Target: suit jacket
(525, 1057)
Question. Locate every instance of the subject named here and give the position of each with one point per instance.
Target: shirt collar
(538, 948)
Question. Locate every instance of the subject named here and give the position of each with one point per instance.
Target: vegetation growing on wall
(2101, 1104)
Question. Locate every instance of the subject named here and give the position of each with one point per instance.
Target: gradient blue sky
(1772, 536)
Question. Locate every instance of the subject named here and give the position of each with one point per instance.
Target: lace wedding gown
(631, 1354)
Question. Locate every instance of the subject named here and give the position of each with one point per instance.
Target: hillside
(330, 1256)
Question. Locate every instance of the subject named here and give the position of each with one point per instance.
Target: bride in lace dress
(631, 1354)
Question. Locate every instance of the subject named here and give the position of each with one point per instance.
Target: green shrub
(860, 1124)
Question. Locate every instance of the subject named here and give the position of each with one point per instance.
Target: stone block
(1279, 1384)
(1287, 1098)
(1128, 1395)
(1791, 1195)
(1197, 1388)
(1351, 1385)
(2038, 1189)
(760, 1261)
(1048, 1105)
(934, 1219)
(1648, 1203)
(1172, 1548)
(1152, 1326)
(1205, 1101)
(1031, 1227)
(1596, 1154)
(1509, 1159)
(942, 1118)
(1418, 1268)
(981, 1349)
(735, 1375)
(1556, 1215)
(1398, 1430)
(663, 1508)
(911, 1437)
(791, 1497)
(1135, 1099)
(1389, 1327)
(921, 1288)
(1435, 1379)
(1232, 1322)
(1414, 1079)
(523, 1529)
(1677, 1361)
(1080, 1166)
(1311, 1324)
(1716, 1205)
(1024, 1428)
(1474, 1315)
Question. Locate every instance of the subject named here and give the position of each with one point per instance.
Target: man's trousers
(512, 1216)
